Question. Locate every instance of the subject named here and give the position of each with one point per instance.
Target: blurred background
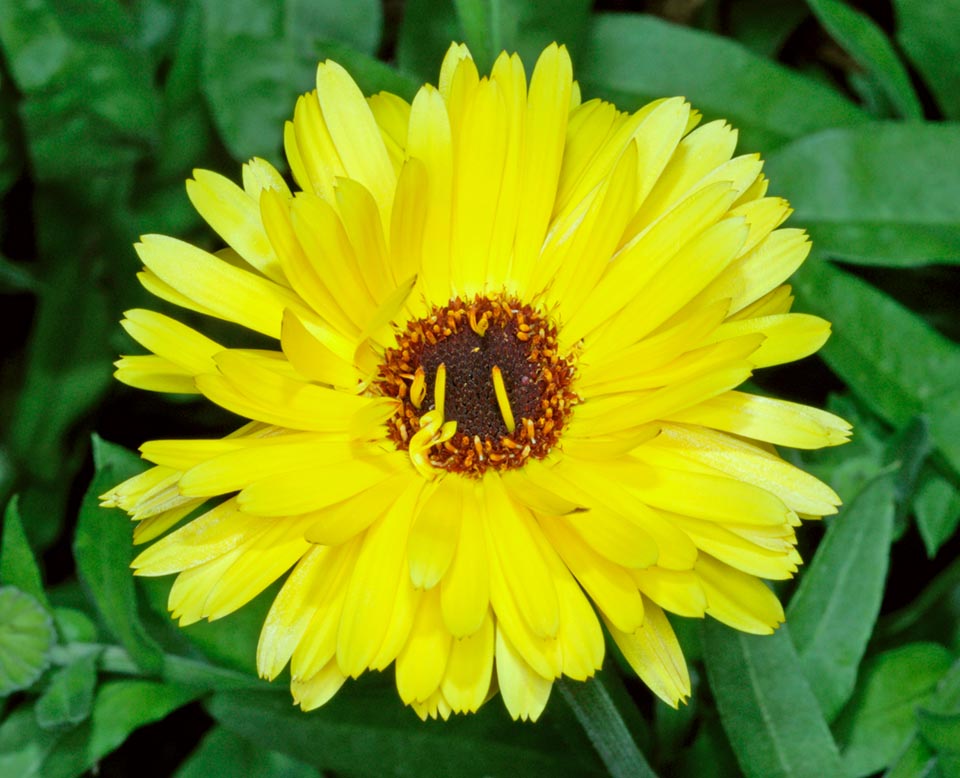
(107, 107)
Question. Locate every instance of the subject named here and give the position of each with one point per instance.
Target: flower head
(503, 407)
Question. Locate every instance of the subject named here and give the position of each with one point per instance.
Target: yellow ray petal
(639, 260)
(373, 585)
(621, 541)
(310, 488)
(773, 421)
(431, 143)
(303, 272)
(678, 591)
(510, 536)
(342, 521)
(608, 584)
(155, 374)
(525, 692)
(170, 339)
(767, 265)
(316, 647)
(292, 610)
(401, 623)
(659, 481)
(263, 561)
(227, 292)
(327, 245)
(209, 536)
(313, 359)
(361, 221)
(311, 693)
(580, 637)
(469, 670)
(736, 550)
(548, 106)
(655, 655)
(310, 149)
(480, 151)
(235, 216)
(738, 599)
(684, 276)
(748, 463)
(258, 175)
(787, 337)
(435, 532)
(696, 156)
(355, 134)
(465, 589)
(423, 660)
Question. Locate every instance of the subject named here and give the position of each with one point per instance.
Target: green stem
(598, 715)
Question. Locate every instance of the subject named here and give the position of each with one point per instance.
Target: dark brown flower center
(501, 380)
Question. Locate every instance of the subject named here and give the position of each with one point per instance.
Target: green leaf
(927, 31)
(18, 566)
(762, 26)
(426, 30)
(606, 725)
(860, 36)
(940, 731)
(366, 731)
(881, 718)
(259, 55)
(900, 370)
(26, 635)
(770, 714)
(934, 615)
(68, 698)
(918, 758)
(120, 708)
(492, 26)
(883, 194)
(103, 550)
(833, 611)
(223, 753)
(632, 59)
(937, 506)
(24, 745)
(371, 74)
(35, 46)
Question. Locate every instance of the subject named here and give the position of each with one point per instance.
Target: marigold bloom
(511, 326)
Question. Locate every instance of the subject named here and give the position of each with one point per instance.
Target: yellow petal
(655, 655)
(168, 338)
(465, 589)
(678, 591)
(548, 107)
(738, 599)
(226, 291)
(373, 585)
(469, 670)
(435, 532)
(317, 690)
(344, 520)
(155, 374)
(525, 692)
(235, 215)
(423, 660)
(609, 585)
(431, 143)
(773, 421)
(787, 337)
(751, 464)
(510, 536)
(355, 133)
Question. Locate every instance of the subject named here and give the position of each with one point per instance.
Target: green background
(106, 107)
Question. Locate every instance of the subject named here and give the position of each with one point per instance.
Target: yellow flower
(503, 409)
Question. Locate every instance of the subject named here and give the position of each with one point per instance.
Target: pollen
(490, 367)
